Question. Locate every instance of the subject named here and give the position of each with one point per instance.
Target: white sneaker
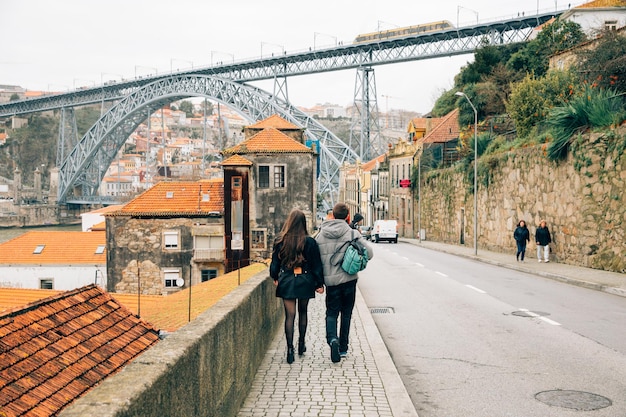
(547, 260)
(538, 260)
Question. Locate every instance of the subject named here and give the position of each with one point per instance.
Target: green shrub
(592, 108)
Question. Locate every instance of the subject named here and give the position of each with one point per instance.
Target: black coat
(312, 269)
(521, 234)
(542, 236)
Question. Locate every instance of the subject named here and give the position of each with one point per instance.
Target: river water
(8, 233)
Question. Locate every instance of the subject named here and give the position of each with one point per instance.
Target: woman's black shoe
(301, 347)
(290, 357)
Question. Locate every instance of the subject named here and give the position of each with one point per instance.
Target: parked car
(385, 230)
(366, 232)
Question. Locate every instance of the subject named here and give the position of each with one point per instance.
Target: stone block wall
(582, 199)
(205, 369)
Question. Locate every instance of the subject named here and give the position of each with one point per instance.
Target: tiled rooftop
(371, 164)
(45, 248)
(236, 160)
(56, 349)
(445, 131)
(167, 313)
(269, 140)
(602, 3)
(177, 198)
(274, 121)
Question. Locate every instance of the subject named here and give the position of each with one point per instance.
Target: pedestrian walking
(543, 239)
(521, 236)
(297, 271)
(340, 286)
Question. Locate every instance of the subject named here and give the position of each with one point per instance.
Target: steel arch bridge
(81, 169)
(84, 167)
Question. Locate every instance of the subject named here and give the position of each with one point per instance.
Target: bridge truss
(82, 170)
(136, 98)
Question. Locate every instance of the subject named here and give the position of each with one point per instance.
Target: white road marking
(552, 322)
(547, 320)
(476, 289)
(441, 273)
(419, 264)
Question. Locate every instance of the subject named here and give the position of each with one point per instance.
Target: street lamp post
(458, 8)
(156, 72)
(282, 48)
(223, 53)
(324, 34)
(461, 94)
(181, 60)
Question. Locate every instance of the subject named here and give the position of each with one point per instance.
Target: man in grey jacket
(340, 286)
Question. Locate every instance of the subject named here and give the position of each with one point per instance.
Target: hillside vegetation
(521, 102)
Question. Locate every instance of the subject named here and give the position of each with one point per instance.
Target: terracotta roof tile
(445, 131)
(274, 121)
(54, 350)
(602, 3)
(56, 248)
(236, 160)
(269, 140)
(164, 312)
(370, 165)
(183, 198)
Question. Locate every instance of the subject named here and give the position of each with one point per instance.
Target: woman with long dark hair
(298, 273)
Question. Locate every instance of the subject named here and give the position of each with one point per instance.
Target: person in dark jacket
(521, 236)
(340, 286)
(298, 274)
(355, 222)
(543, 239)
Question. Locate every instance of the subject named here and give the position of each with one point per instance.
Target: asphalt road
(474, 340)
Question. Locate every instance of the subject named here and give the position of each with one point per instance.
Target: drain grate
(382, 310)
(575, 400)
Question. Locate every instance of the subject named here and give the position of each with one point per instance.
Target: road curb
(399, 400)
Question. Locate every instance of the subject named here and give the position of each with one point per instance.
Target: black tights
(290, 318)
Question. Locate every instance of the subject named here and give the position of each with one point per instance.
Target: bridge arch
(83, 168)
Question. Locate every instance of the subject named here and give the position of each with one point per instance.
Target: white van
(385, 230)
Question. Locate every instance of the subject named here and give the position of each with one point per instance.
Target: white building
(597, 16)
(54, 260)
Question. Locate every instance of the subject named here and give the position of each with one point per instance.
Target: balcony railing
(208, 255)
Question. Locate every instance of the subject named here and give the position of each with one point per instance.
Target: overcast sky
(58, 45)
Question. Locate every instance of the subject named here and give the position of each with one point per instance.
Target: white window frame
(170, 276)
(168, 240)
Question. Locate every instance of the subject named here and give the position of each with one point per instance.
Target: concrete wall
(204, 369)
(582, 199)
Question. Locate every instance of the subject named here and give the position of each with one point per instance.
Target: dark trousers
(521, 249)
(340, 300)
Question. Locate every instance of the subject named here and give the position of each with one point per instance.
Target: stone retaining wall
(203, 369)
(582, 199)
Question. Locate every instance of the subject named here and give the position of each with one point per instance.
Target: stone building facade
(169, 237)
(266, 176)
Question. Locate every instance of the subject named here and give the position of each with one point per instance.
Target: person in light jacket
(543, 239)
(340, 286)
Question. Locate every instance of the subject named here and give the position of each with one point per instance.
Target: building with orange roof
(167, 237)
(401, 162)
(90, 218)
(420, 126)
(442, 141)
(266, 176)
(54, 260)
(58, 348)
(597, 16)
